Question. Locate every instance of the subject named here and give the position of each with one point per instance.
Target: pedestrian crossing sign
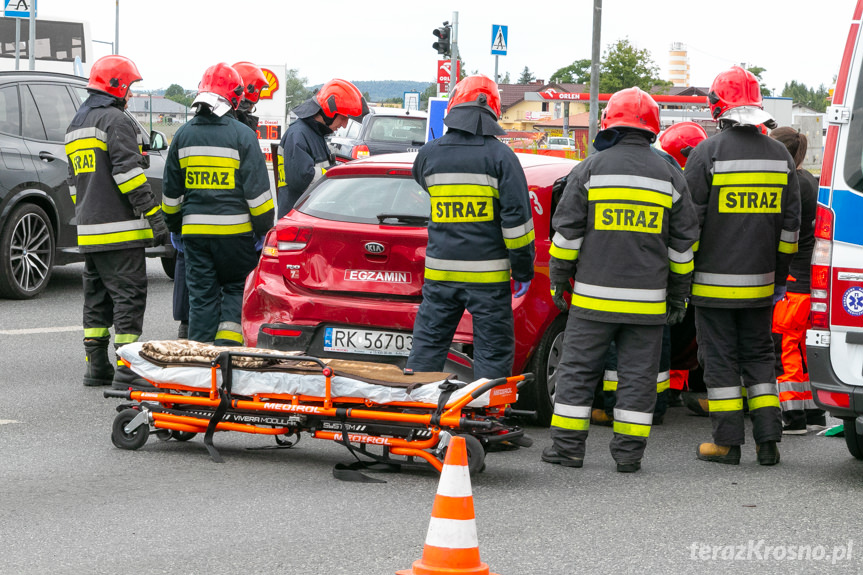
(498, 39)
(18, 8)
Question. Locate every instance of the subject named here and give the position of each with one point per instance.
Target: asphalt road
(70, 502)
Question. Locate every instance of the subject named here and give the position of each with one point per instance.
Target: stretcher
(377, 411)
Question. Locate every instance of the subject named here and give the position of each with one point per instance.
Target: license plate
(367, 341)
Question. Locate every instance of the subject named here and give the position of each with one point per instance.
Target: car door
(15, 160)
(47, 110)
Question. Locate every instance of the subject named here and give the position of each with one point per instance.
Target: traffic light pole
(453, 63)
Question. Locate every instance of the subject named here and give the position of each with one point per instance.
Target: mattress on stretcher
(278, 380)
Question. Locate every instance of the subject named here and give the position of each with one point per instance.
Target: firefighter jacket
(800, 268)
(745, 190)
(106, 178)
(626, 220)
(216, 181)
(303, 155)
(481, 229)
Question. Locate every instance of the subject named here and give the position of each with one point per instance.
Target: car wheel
(26, 252)
(543, 365)
(853, 440)
(169, 265)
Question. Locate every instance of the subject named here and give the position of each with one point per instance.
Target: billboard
(270, 109)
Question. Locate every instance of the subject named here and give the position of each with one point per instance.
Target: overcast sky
(174, 41)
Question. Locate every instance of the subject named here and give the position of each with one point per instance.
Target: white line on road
(41, 330)
(5, 421)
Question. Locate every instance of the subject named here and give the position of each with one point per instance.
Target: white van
(835, 342)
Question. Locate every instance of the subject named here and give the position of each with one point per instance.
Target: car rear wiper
(418, 142)
(404, 218)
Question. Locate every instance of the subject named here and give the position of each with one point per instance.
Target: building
(158, 110)
(678, 65)
(518, 114)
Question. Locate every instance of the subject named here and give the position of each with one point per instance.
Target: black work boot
(729, 454)
(551, 455)
(124, 378)
(767, 453)
(183, 330)
(99, 370)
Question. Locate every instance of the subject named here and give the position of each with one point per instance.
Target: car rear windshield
(370, 200)
(397, 129)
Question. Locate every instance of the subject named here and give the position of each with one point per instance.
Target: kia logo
(375, 248)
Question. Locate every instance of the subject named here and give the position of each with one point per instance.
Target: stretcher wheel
(182, 435)
(130, 441)
(475, 454)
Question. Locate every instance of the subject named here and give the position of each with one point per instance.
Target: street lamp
(106, 42)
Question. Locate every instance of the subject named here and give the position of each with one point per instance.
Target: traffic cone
(451, 546)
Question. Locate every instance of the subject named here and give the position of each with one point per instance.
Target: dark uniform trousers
(216, 270)
(581, 369)
(663, 379)
(115, 291)
(437, 319)
(736, 347)
(181, 290)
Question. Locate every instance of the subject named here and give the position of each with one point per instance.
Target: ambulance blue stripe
(824, 196)
(848, 206)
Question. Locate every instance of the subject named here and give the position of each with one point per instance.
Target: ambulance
(834, 343)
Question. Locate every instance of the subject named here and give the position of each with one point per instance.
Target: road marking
(5, 421)
(40, 330)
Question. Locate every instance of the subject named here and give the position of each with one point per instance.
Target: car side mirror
(158, 141)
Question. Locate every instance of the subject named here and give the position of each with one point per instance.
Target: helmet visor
(219, 105)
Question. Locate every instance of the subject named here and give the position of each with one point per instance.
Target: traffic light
(443, 44)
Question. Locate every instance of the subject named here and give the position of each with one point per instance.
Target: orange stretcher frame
(416, 432)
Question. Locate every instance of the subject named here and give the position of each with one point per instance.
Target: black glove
(160, 230)
(676, 311)
(558, 294)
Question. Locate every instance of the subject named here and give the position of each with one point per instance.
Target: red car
(341, 275)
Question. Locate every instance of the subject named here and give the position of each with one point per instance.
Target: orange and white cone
(451, 546)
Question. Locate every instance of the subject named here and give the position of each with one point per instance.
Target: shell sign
(273, 81)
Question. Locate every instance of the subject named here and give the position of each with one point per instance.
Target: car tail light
(400, 173)
(361, 151)
(821, 260)
(834, 398)
(271, 246)
(293, 238)
(281, 332)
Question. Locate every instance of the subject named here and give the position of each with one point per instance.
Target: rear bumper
(824, 381)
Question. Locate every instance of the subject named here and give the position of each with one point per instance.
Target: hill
(383, 89)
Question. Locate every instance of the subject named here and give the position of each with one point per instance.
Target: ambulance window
(854, 150)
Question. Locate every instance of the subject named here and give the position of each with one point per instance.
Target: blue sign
(498, 39)
(19, 8)
(437, 111)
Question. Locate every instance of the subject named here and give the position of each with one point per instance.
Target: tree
(576, 73)
(757, 71)
(295, 89)
(429, 92)
(810, 97)
(366, 96)
(505, 79)
(624, 66)
(176, 93)
(526, 76)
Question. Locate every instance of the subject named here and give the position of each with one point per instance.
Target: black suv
(37, 216)
(382, 131)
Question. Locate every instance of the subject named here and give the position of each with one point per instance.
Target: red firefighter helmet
(113, 75)
(679, 139)
(477, 90)
(220, 88)
(253, 80)
(736, 95)
(341, 97)
(631, 108)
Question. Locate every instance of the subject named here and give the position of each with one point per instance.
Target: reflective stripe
(467, 277)
(86, 139)
(564, 249)
(732, 392)
(230, 336)
(130, 180)
(124, 338)
(762, 389)
(463, 191)
(629, 194)
(611, 375)
(262, 204)
(212, 219)
(524, 240)
(153, 211)
(623, 181)
(518, 231)
(750, 166)
(209, 224)
(695, 246)
(663, 385)
(468, 265)
(578, 411)
(171, 205)
(461, 178)
(93, 332)
(750, 178)
(627, 294)
(609, 385)
(452, 533)
(568, 423)
(114, 232)
(681, 269)
(615, 306)
(680, 257)
(734, 280)
(83, 133)
(763, 401)
(211, 151)
(716, 405)
(787, 248)
(633, 429)
(627, 416)
(790, 237)
(73, 193)
(732, 292)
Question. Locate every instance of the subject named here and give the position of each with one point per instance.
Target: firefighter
(217, 196)
(744, 186)
(117, 216)
(480, 234)
(680, 139)
(626, 220)
(253, 82)
(303, 152)
(791, 315)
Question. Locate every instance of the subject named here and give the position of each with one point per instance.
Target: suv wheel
(26, 252)
(544, 365)
(168, 265)
(853, 440)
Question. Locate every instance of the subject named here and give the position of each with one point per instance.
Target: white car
(558, 143)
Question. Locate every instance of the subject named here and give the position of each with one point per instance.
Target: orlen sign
(443, 73)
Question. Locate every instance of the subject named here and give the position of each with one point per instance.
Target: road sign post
(499, 38)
